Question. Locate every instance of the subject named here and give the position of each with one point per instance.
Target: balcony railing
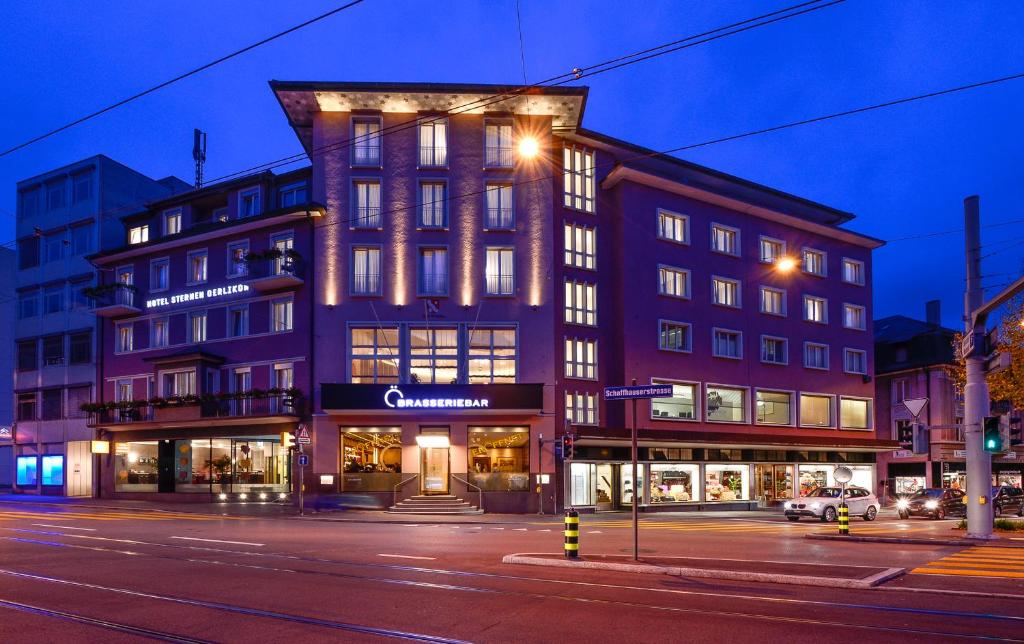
(366, 155)
(195, 409)
(290, 265)
(113, 299)
(434, 284)
(498, 156)
(500, 285)
(366, 284)
(499, 218)
(433, 155)
(366, 217)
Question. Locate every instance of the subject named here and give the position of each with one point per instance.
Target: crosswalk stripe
(968, 573)
(982, 565)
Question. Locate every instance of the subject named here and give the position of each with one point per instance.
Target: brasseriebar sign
(194, 296)
(432, 398)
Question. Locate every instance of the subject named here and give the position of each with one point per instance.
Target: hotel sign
(6, 434)
(432, 398)
(198, 295)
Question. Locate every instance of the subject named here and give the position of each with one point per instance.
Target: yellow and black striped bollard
(572, 534)
(844, 520)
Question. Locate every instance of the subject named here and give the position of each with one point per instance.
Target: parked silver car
(823, 503)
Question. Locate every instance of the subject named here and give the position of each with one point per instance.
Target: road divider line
(62, 527)
(407, 557)
(236, 543)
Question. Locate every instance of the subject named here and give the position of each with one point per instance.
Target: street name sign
(641, 391)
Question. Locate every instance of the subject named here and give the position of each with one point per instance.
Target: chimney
(933, 312)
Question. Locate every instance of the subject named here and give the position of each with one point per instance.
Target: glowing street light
(528, 147)
(785, 264)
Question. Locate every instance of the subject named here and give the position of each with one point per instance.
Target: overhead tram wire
(180, 77)
(559, 79)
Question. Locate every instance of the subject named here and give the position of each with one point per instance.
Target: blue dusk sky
(903, 171)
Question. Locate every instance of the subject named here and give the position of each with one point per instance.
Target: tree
(1006, 384)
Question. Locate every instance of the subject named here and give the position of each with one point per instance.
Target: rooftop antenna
(199, 154)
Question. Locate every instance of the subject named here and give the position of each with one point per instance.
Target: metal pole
(636, 491)
(976, 398)
(540, 468)
(302, 481)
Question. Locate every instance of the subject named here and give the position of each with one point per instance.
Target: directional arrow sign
(915, 405)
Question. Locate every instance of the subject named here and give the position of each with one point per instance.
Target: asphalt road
(86, 574)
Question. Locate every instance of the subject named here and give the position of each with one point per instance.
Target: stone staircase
(434, 504)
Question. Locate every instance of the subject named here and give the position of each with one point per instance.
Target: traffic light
(568, 450)
(287, 440)
(920, 439)
(905, 435)
(1016, 431)
(993, 436)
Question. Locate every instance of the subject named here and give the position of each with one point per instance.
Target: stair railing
(399, 486)
(468, 485)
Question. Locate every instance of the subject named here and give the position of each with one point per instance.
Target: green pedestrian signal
(993, 437)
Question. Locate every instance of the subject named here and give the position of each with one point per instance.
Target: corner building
(485, 266)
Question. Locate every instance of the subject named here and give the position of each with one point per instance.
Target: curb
(911, 541)
(418, 519)
(530, 559)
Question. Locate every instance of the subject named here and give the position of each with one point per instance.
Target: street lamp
(785, 264)
(528, 147)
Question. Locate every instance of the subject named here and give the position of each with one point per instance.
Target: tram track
(862, 608)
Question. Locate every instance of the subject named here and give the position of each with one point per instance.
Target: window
(726, 344)
(815, 410)
(238, 321)
(81, 187)
(771, 249)
(283, 243)
(55, 195)
(53, 298)
(580, 246)
(434, 142)
(197, 327)
(580, 303)
(725, 292)
(28, 355)
(499, 458)
(855, 361)
(581, 408)
(292, 194)
(27, 406)
(433, 205)
(726, 404)
(172, 222)
(434, 356)
(28, 252)
(30, 202)
(366, 142)
(138, 234)
(815, 309)
(581, 358)
(492, 356)
(28, 474)
(56, 246)
(499, 272)
(814, 262)
(853, 271)
(28, 304)
(281, 315)
(237, 266)
(499, 214)
(53, 350)
(773, 301)
(125, 339)
(433, 271)
(219, 214)
(81, 240)
(578, 179)
(498, 144)
(673, 336)
(854, 317)
(197, 267)
(79, 300)
(80, 347)
(673, 227)
(854, 413)
(249, 203)
(78, 396)
(366, 279)
(52, 407)
(158, 333)
(774, 350)
(900, 390)
(815, 355)
(681, 406)
(774, 408)
(725, 239)
(674, 282)
(53, 469)
(159, 274)
(179, 383)
(374, 355)
(366, 202)
(726, 482)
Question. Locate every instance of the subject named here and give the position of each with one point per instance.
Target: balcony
(274, 270)
(499, 219)
(433, 156)
(498, 156)
(366, 155)
(250, 408)
(113, 300)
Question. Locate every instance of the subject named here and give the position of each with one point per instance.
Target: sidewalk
(230, 509)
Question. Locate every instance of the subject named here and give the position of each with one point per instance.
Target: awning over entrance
(731, 440)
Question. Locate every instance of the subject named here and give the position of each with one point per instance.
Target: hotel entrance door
(434, 445)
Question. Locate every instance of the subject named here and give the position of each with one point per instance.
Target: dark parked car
(937, 503)
(1007, 500)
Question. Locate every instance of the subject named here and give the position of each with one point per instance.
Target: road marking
(545, 530)
(237, 543)
(595, 532)
(63, 527)
(407, 557)
(519, 529)
(497, 528)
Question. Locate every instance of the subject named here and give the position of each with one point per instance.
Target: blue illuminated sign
(53, 469)
(27, 471)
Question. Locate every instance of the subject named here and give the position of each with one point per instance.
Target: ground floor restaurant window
(672, 482)
(581, 476)
(908, 484)
(371, 458)
(499, 458)
(726, 482)
(814, 476)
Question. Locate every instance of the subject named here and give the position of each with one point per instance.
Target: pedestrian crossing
(760, 527)
(102, 515)
(978, 561)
